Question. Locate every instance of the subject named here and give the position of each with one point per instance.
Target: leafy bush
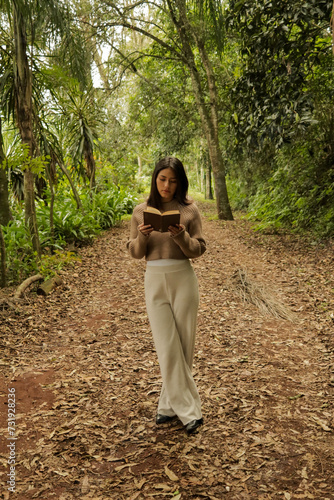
(107, 206)
(100, 210)
(298, 196)
(19, 251)
(237, 191)
(70, 224)
(51, 264)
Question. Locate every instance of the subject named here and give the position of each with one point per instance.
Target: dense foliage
(281, 45)
(92, 94)
(282, 114)
(100, 210)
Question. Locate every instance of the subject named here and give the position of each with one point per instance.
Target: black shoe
(162, 419)
(192, 426)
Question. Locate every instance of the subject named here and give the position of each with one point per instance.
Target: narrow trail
(86, 379)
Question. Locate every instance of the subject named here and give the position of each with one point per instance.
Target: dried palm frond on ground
(255, 293)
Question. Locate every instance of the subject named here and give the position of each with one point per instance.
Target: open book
(159, 221)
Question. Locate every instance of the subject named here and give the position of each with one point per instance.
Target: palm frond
(213, 12)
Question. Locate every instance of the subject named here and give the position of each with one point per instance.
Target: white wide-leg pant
(172, 298)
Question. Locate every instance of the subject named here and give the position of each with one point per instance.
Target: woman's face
(166, 184)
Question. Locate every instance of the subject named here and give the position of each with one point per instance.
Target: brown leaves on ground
(86, 378)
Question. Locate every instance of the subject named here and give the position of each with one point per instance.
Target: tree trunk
(26, 283)
(5, 213)
(223, 204)
(218, 168)
(52, 200)
(29, 210)
(209, 120)
(23, 105)
(90, 165)
(202, 178)
(2, 259)
(74, 190)
(140, 167)
(208, 182)
(49, 285)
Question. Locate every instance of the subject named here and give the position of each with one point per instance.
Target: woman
(171, 289)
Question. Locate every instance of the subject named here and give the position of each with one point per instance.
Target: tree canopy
(94, 93)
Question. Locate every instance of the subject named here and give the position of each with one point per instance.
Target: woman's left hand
(174, 230)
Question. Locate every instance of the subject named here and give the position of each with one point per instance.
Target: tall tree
(185, 35)
(23, 108)
(39, 28)
(209, 114)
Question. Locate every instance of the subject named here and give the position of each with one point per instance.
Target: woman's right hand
(146, 230)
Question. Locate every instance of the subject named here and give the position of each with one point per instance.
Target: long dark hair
(154, 199)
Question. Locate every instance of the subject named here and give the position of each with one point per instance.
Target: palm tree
(51, 133)
(84, 117)
(33, 24)
(6, 102)
(23, 112)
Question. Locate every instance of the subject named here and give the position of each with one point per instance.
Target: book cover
(161, 222)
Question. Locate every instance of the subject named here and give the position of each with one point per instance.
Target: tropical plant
(83, 112)
(31, 25)
(102, 210)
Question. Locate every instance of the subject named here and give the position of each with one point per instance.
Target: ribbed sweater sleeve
(191, 240)
(188, 244)
(137, 244)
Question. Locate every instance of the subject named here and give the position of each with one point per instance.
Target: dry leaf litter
(86, 377)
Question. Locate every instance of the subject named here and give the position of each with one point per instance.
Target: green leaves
(280, 44)
(101, 210)
(212, 11)
(296, 197)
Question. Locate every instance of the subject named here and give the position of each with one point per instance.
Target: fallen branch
(26, 283)
(46, 287)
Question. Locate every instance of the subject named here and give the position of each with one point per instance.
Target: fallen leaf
(304, 473)
(139, 484)
(120, 467)
(170, 474)
(85, 485)
(322, 424)
(162, 486)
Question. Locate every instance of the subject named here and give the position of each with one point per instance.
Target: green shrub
(51, 264)
(19, 252)
(101, 209)
(298, 196)
(237, 192)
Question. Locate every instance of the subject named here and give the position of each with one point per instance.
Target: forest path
(86, 379)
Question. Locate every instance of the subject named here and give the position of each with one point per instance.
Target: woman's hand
(146, 230)
(175, 230)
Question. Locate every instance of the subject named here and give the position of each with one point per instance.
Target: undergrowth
(100, 210)
(297, 197)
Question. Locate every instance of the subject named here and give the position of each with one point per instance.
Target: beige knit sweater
(187, 244)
